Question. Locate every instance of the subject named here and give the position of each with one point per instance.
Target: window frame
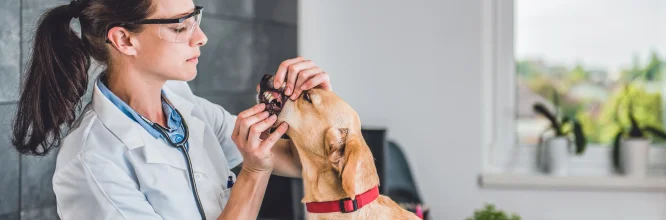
(501, 153)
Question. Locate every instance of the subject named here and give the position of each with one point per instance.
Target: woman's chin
(188, 74)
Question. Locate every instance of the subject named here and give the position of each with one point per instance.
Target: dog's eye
(306, 96)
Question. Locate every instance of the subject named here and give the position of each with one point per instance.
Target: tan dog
(337, 162)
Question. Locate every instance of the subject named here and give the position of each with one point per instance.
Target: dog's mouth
(274, 98)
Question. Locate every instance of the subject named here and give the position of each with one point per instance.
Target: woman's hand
(300, 74)
(257, 154)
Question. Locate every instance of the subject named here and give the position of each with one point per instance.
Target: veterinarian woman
(145, 147)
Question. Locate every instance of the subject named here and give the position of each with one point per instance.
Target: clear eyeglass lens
(180, 32)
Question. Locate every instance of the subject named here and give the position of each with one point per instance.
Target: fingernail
(264, 114)
(303, 87)
(273, 117)
(287, 91)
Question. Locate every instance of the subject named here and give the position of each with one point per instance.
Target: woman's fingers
(321, 79)
(244, 114)
(295, 73)
(303, 77)
(281, 73)
(247, 123)
(268, 144)
(254, 137)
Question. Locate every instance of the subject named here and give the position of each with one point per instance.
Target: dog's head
(322, 125)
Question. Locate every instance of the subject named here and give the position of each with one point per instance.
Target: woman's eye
(178, 30)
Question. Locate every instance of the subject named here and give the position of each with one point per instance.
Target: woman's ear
(121, 39)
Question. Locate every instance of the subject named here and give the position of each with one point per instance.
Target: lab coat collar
(172, 156)
(113, 119)
(133, 137)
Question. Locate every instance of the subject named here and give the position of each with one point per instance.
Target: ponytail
(52, 87)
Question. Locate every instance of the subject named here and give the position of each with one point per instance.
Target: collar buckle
(342, 205)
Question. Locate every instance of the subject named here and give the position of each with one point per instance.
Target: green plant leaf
(556, 102)
(635, 130)
(616, 151)
(579, 138)
(655, 131)
(541, 109)
(490, 212)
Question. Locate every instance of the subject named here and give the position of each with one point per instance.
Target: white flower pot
(634, 156)
(557, 156)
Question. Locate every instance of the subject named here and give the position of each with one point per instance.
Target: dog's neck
(322, 183)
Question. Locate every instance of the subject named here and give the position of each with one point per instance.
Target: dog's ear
(336, 139)
(345, 157)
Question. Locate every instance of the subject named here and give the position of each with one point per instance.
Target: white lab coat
(109, 167)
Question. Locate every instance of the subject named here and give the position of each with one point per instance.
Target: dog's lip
(273, 99)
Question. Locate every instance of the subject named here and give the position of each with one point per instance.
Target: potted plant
(554, 152)
(631, 147)
(489, 212)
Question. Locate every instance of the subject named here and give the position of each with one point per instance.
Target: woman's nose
(199, 37)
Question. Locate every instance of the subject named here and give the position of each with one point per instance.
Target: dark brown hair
(57, 73)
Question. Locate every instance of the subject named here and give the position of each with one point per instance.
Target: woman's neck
(142, 94)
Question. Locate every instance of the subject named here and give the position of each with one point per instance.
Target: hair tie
(74, 8)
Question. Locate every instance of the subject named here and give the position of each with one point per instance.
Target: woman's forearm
(246, 196)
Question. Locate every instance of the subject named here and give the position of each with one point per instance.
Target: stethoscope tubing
(181, 146)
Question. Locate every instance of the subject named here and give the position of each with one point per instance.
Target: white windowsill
(511, 166)
(591, 183)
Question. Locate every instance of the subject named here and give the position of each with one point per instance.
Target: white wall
(432, 52)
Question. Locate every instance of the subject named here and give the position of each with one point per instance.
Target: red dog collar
(344, 205)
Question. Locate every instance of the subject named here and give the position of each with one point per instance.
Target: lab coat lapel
(113, 119)
(158, 151)
(195, 126)
(155, 150)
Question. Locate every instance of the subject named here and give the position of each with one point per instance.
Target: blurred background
(420, 75)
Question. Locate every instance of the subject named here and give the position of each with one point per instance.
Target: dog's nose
(267, 81)
(267, 77)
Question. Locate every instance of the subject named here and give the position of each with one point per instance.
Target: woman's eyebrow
(182, 14)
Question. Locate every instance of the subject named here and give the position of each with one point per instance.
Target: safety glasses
(176, 30)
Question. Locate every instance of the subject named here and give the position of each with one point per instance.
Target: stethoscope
(180, 145)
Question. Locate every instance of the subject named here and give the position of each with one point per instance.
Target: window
(583, 56)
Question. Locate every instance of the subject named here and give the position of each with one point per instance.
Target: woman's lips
(193, 59)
